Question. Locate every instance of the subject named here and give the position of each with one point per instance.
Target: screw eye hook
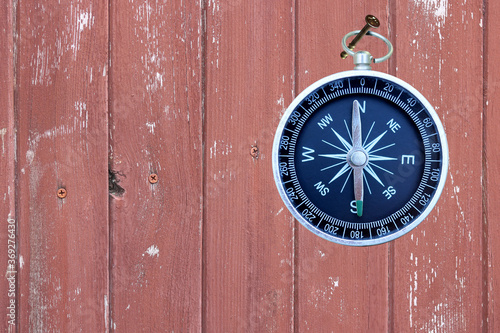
(371, 22)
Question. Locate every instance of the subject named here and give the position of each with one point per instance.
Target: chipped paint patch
(153, 250)
(324, 295)
(83, 115)
(3, 131)
(106, 310)
(220, 147)
(151, 127)
(437, 8)
(80, 20)
(30, 156)
(85, 20)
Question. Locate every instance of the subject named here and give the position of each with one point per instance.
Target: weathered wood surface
(194, 92)
(248, 236)
(156, 127)
(61, 110)
(437, 269)
(491, 171)
(8, 223)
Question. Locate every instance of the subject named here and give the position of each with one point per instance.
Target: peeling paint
(106, 311)
(279, 212)
(153, 250)
(220, 147)
(3, 131)
(30, 156)
(151, 127)
(46, 60)
(437, 8)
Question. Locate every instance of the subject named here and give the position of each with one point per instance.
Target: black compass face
(360, 158)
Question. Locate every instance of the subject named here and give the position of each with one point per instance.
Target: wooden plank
(340, 288)
(156, 127)
(491, 170)
(62, 142)
(438, 268)
(8, 289)
(248, 234)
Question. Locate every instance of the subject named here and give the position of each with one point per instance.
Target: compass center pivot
(359, 158)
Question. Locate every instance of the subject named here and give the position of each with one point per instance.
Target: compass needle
(360, 157)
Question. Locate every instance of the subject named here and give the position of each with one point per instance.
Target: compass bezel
(444, 157)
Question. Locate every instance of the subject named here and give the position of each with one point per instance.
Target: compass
(360, 157)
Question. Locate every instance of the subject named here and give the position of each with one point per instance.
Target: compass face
(360, 158)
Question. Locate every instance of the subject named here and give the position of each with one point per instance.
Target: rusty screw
(254, 151)
(153, 178)
(61, 193)
(371, 22)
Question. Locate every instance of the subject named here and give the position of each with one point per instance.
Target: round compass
(360, 158)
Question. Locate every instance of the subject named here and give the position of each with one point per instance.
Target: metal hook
(371, 22)
(362, 59)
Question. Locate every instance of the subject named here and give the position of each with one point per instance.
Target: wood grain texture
(62, 142)
(438, 268)
(156, 127)
(491, 170)
(339, 288)
(8, 223)
(248, 234)
(196, 91)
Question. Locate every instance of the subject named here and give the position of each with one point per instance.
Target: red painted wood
(8, 224)
(193, 87)
(491, 170)
(61, 85)
(437, 269)
(339, 288)
(248, 234)
(156, 127)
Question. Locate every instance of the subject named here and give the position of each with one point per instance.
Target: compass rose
(357, 156)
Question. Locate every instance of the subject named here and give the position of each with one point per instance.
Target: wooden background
(96, 95)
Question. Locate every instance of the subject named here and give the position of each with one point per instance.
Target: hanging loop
(367, 59)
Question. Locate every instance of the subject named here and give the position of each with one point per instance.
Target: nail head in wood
(61, 193)
(254, 151)
(153, 178)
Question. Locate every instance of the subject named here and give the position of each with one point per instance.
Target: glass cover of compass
(360, 158)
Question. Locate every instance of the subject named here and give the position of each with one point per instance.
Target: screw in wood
(254, 151)
(371, 22)
(153, 178)
(61, 193)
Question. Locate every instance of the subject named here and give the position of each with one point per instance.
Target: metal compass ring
(369, 33)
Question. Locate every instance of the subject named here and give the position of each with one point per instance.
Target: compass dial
(360, 158)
